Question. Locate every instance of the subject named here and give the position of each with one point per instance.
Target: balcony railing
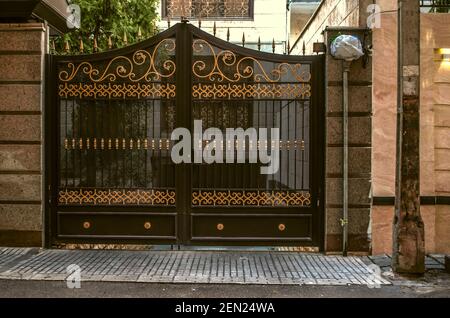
(438, 6)
(208, 9)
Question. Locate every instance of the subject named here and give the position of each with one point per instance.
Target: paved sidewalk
(287, 268)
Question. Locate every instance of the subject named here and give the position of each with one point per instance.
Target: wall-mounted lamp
(442, 54)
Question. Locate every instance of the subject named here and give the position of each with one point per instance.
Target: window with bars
(437, 6)
(208, 9)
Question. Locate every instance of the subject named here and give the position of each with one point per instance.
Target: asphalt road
(15, 288)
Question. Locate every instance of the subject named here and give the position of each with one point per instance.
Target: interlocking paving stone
(195, 267)
(8, 255)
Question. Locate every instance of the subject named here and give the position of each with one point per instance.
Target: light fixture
(442, 54)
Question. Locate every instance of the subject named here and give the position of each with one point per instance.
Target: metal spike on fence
(243, 39)
(109, 42)
(95, 45)
(259, 43)
(81, 45)
(304, 48)
(228, 34)
(168, 22)
(53, 47)
(214, 28)
(199, 23)
(273, 45)
(125, 39)
(139, 34)
(66, 46)
(288, 47)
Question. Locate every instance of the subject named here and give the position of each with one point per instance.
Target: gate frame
(184, 34)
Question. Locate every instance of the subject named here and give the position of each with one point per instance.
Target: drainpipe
(347, 48)
(344, 220)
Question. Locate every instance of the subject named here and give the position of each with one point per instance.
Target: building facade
(28, 192)
(265, 21)
(434, 115)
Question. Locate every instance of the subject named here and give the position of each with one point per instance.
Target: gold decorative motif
(251, 91)
(281, 227)
(242, 68)
(123, 90)
(251, 198)
(86, 225)
(126, 68)
(127, 144)
(116, 197)
(220, 227)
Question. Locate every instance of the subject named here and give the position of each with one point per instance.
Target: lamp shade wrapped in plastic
(346, 47)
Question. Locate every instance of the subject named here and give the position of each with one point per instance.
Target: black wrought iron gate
(110, 117)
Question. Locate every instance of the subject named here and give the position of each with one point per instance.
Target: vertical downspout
(344, 220)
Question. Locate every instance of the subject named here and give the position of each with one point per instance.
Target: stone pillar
(21, 104)
(360, 148)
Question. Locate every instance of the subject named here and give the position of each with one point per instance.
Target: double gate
(110, 116)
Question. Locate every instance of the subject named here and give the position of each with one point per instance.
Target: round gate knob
(86, 225)
(220, 226)
(147, 225)
(282, 227)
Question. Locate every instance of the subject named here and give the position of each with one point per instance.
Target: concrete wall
(270, 22)
(21, 86)
(300, 13)
(435, 129)
(342, 13)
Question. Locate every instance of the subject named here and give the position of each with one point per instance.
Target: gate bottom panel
(295, 228)
(158, 226)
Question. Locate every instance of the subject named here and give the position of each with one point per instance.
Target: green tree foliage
(101, 19)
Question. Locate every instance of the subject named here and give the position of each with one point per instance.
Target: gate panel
(116, 112)
(233, 87)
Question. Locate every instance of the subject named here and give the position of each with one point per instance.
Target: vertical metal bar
(107, 143)
(123, 151)
(66, 150)
(116, 136)
(237, 165)
(131, 145)
(146, 143)
(102, 120)
(159, 144)
(80, 151)
(153, 144)
(270, 144)
(281, 151)
(138, 150)
(288, 152)
(296, 145)
(302, 149)
(73, 137)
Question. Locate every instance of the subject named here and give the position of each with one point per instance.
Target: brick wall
(336, 13)
(21, 87)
